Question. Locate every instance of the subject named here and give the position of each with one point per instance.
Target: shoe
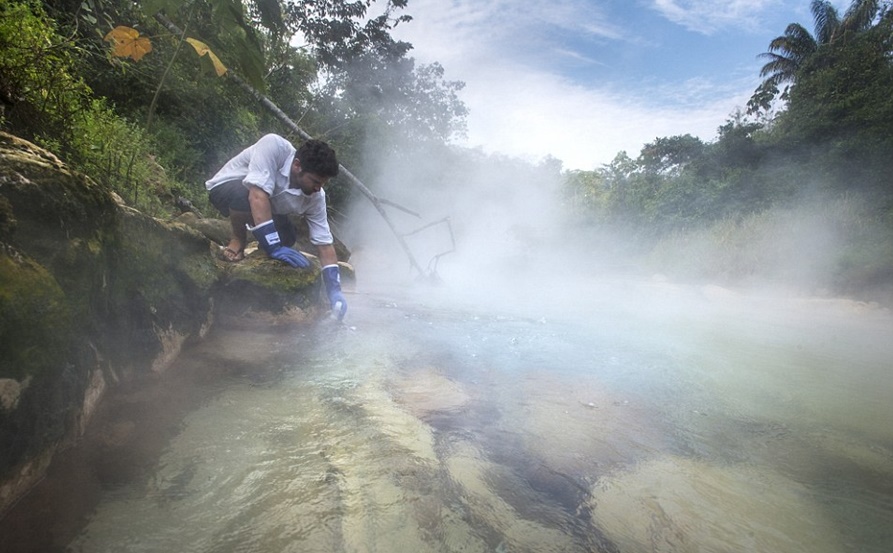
(231, 255)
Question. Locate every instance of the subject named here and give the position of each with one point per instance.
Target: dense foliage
(833, 136)
(829, 143)
(154, 128)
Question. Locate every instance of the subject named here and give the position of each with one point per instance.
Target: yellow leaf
(201, 49)
(128, 43)
(122, 34)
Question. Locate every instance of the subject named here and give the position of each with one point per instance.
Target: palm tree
(788, 52)
(859, 17)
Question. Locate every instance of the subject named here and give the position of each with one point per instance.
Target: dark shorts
(233, 196)
(230, 196)
(288, 234)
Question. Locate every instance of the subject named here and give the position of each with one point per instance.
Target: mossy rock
(39, 358)
(260, 290)
(85, 284)
(35, 318)
(43, 200)
(219, 231)
(215, 230)
(93, 292)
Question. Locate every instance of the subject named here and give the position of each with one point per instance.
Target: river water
(638, 416)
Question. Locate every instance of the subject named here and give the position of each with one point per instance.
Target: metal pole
(279, 114)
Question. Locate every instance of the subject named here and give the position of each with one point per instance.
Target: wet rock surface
(94, 294)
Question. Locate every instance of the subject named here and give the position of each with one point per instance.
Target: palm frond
(796, 44)
(826, 20)
(860, 16)
(800, 34)
(779, 68)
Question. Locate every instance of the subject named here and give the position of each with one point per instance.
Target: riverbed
(631, 416)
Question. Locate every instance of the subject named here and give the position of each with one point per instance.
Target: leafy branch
(127, 42)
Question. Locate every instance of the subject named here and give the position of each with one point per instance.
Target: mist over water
(775, 401)
(536, 396)
(429, 423)
(509, 242)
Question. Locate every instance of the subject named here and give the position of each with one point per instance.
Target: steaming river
(676, 420)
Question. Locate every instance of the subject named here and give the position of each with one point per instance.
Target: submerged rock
(678, 504)
(426, 390)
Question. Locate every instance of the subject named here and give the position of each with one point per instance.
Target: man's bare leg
(238, 220)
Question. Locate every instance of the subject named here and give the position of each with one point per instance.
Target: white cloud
(454, 28)
(522, 107)
(710, 16)
(532, 114)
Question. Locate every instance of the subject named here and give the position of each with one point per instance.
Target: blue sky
(581, 80)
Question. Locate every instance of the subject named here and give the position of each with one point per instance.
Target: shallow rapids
(430, 426)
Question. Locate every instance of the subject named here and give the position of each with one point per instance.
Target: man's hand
(293, 257)
(268, 239)
(331, 276)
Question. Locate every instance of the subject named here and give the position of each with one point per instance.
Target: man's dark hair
(318, 158)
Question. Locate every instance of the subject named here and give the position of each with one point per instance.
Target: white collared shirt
(267, 165)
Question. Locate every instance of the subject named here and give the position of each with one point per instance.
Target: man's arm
(327, 255)
(261, 210)
(331, 276)
(265, 230)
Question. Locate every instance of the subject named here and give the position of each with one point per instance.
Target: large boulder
(259, 291)
(94, 293)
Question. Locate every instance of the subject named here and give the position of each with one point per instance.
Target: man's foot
(231, 254)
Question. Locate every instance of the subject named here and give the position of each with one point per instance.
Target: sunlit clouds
(711, 16)
(583, 127)
(583, 80)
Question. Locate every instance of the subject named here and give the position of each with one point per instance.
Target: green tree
(789, 52)
(42, 94)
(585, 193)
(338, 32)
(351, 83)
(372, 90)
(840, 117)
(670, 156)
(682, 182)
(736, 144)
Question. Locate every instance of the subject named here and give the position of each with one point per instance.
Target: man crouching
(260, 187)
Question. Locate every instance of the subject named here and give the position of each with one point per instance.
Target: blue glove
(331, 276)
(268, 239)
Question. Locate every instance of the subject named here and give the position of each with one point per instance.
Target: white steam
(505, 225)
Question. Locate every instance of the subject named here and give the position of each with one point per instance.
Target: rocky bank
(94, 294)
